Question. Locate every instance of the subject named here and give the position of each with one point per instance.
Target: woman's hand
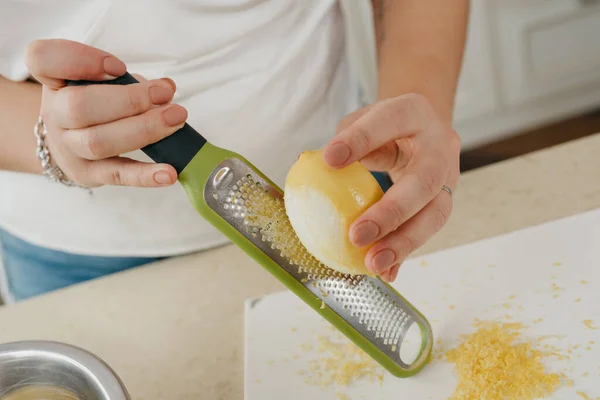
(90, 126)
(404, 137)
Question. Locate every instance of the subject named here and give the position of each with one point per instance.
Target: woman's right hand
(89, 127)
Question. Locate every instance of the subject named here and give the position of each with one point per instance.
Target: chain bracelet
(52, 172)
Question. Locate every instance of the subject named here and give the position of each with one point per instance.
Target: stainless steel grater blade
(379, 317)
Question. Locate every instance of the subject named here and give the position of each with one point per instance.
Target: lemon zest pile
(495, 363)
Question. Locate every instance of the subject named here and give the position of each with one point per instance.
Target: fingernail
(162, 177)
(160, 94)
(113, 67)
(170, 82)
(364, 233)
(175, 115)
(383, 260)
(337, 154)
(394, 274)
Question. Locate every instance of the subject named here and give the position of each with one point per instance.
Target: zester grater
(248, 208)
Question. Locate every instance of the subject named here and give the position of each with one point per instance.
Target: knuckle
(129, 175)
(440, 216)
(150, 127)
(135, 101)
(401, 119)
(417, 101)
(91, 144)
(117, 177)
(430, 183)
(404, 244)
(422, 110)
(75, 107)
(77, 174)
(454, 142)
(360, 139)
(136, 175)
(34, 51)
(395, 214)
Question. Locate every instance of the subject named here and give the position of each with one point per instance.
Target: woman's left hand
(404, 137)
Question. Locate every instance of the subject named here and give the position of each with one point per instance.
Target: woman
(267, 79)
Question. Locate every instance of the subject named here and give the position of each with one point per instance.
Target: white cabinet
(475, 94)
(546, 47)
(527, 63)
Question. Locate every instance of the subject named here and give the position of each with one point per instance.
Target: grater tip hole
(411, 345)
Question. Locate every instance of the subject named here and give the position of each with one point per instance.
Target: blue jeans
(32, 270)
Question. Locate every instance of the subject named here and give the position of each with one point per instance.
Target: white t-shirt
(264, 78)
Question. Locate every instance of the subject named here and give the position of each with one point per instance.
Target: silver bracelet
(52, 172)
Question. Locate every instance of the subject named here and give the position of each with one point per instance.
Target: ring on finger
(447, 189)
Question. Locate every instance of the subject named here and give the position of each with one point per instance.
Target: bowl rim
(92, 366)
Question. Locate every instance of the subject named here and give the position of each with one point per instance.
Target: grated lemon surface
(267, 216)
(495, 362)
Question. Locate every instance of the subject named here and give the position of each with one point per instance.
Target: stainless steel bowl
(30, 363)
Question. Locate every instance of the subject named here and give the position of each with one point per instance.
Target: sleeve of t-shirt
(24, 21)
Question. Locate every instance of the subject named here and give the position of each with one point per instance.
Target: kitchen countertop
(173, 329)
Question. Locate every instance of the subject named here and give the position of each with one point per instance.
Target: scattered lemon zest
(555, 287)
(341, 363)
(588, 324)
(583, 395)
(584, 282)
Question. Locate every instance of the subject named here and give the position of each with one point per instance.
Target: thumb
(350, 118)
(335, 155)
(53, 61)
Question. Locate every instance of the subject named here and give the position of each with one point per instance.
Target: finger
(389, 275)
(386, 121)
(125, 135)
(393, 273)
(54, 60)
(398, 245)
(83, 106)
(420, 182)
(122, 171)
(350, 118)
(139, 78)
(385, 158)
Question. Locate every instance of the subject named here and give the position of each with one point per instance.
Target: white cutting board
(477, 279)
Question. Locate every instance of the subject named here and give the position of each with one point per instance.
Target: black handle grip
(177, 149)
